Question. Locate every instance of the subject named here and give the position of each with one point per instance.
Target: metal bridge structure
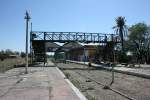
(63, 37)
(39, 39)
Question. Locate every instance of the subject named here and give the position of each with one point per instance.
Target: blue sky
(66, 15)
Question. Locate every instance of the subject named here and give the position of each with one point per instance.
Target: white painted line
(75, 89)
(62, 74)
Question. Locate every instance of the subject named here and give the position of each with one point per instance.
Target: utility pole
(27, 18)
(115, 40)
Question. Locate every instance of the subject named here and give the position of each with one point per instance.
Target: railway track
(104, 85)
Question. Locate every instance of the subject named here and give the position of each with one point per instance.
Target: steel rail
(102, 84)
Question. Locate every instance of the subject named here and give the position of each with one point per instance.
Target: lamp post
(27, 18)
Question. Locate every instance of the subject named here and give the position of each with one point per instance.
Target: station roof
(72, 45)
(52, 45)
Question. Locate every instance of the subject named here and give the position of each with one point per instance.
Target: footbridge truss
(39, 39)
(63, 37)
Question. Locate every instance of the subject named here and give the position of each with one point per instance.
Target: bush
(22, 54)
(123, 58)
(3, 56)
(67, 75)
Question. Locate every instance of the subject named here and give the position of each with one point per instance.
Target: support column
(84, 54)
(44, 48)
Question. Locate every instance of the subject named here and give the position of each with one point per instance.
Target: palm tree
(121, 29)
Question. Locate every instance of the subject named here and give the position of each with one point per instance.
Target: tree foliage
(22, 54)
(121, 29)
(6, 53)
(139, 41)
(105, 52)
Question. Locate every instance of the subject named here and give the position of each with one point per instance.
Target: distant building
(84, 53)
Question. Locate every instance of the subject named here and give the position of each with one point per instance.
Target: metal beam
(73, 36)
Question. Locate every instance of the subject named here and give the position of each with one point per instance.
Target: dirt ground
(134, 87)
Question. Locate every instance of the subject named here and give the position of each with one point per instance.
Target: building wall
(82, 54)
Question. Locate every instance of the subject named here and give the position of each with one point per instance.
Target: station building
(84, 53)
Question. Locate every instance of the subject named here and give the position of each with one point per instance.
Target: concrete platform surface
(41, 83)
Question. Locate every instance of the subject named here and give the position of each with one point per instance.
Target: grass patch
(76, 83)
(10, 63)
(88, 80)
(67, 74)
(89, 97)
(90, 88)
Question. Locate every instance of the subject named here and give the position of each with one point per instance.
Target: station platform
(41, 83)
(143, 71)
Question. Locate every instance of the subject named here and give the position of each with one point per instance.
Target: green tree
(121, 29)
(105, 52)
(139, 41)
(22, 54)
(98, 53)
(9, 52)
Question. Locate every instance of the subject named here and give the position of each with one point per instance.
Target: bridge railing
(72, 36)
